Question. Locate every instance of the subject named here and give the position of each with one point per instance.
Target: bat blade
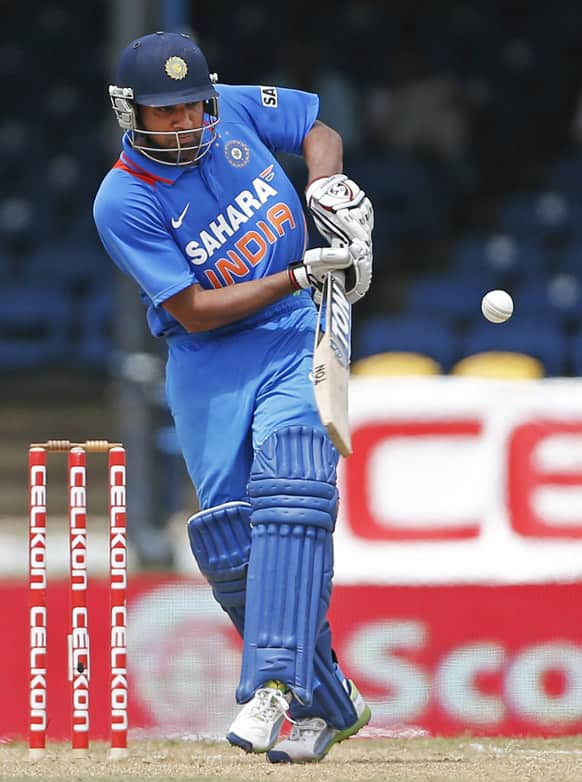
(331, 362)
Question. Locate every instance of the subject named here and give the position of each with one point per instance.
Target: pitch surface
(464, 759)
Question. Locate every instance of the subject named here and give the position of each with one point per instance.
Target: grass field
(359, 760)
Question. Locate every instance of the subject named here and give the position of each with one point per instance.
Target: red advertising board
(489, 660)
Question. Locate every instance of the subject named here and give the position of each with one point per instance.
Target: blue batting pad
(331, 699)
(293, 494)
(220, 539)
(221, 542)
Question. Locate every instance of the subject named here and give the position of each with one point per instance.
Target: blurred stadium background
(463, 121)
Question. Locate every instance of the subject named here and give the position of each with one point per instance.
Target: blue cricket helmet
(164, 69)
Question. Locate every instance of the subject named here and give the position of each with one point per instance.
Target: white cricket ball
(497, 306)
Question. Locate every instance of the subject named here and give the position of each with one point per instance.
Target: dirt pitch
(359, 760)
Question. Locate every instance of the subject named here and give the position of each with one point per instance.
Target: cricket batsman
(199, 212)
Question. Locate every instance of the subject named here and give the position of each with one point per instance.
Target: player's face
(171, 125)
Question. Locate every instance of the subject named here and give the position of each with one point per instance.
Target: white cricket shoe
(256, 727)
(312, 738)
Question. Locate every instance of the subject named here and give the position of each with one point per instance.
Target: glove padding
(359, 273)
(316, 263)
(340, 209)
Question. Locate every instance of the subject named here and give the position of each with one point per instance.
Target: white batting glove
(359, 273)
(316, 263)
(340, 209)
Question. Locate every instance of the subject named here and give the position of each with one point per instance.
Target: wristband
(297, 275)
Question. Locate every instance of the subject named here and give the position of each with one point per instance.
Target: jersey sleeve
(138, 242)
(281, 117)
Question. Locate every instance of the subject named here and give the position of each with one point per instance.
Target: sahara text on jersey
(252, 247)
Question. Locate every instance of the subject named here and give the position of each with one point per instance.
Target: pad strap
(331, 700)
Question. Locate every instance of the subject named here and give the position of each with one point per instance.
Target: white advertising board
(457, 480)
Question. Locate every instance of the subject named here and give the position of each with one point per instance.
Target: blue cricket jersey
(234, 217)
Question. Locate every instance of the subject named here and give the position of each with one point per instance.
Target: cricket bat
(331, 361)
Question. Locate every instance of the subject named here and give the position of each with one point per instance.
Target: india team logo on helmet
(176, 67)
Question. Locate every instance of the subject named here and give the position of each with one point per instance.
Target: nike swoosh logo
(177, 223)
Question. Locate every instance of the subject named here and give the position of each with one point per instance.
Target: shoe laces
(308, 727)
(269, 704)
